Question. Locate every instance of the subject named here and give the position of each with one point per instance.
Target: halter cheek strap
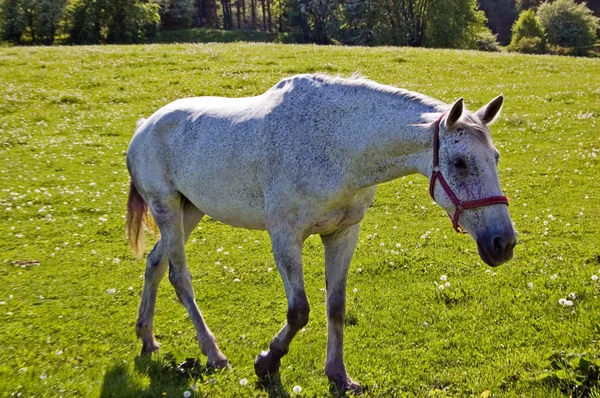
(436, 176)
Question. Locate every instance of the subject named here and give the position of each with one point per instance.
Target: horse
(304, 158)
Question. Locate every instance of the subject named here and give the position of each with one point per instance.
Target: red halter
(436, 175)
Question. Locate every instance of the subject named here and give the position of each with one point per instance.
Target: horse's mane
(357, 82)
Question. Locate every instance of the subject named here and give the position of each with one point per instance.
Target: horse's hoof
(265, 365)
(148, 347)
(346, 384)
(352, 387)
(218, 364)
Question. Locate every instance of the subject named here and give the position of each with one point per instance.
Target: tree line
(432, 23)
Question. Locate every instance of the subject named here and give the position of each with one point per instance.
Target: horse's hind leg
(156, 266)
(339, 248)
(287, 250)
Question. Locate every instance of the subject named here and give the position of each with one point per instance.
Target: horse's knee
(298, 313)
(155, 257)
(336, 308)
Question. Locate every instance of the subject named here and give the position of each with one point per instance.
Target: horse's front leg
(339, 247)
(287, 250)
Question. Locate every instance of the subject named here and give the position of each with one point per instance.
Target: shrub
(529, 45)
(570, 25)
(528, 35)
(487, 41)
(527, 26)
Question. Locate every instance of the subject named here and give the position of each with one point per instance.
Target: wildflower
(568, 303)
(443, 277)
(555, 276)
(187, 394)
(355, 290)
(236, 280)
(572, 296)
(359, 270)
(112, 290)
(594, 278)
(243, 382)
(530, 285)
(297, 389)
(441, 287)
(447, 284)
(562, 301)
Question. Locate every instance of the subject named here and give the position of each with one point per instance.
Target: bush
(570, 25)
(528, 35)
(487, 41)
(529, 45)
(527, 26)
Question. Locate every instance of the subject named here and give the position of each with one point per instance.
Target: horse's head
(465, 182)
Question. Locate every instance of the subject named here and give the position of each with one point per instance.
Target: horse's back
(208, 149)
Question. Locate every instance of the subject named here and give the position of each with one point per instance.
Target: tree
(454, 24)
(569, 25)
(13, 21)
(527, 34)
(409, 19)
(523, 5)
(501, 15)
(50, 13)
(227, 15)
(111, 21)
(176, 14)
(206, 14)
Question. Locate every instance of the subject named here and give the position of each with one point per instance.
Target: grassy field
(69, 286)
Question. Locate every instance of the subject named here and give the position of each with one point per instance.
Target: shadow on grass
(166, 378)
(272, 386)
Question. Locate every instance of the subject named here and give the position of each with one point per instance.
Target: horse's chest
(343, 216)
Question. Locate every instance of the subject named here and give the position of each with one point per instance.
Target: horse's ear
(488, 113)
(454, 114)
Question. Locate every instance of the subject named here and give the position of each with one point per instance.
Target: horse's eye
(460, 163)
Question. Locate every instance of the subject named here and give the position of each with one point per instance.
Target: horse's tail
(137, 211)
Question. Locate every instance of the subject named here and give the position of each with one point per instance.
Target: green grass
(66, 117)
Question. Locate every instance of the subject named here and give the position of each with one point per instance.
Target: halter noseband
(436, 175)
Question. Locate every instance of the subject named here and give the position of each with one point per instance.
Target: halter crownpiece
(436, 175)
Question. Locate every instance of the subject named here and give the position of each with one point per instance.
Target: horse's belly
(239, 203)
(243, 218)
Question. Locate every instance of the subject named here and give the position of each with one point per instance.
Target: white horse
(304, 158)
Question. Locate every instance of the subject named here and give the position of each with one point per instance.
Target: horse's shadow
(272, 386)
(166, 378)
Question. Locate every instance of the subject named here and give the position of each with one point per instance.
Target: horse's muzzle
(496, 249)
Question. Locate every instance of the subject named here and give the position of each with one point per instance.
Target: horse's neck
(397, 143)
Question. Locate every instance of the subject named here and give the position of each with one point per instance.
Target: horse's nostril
(497, 244)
